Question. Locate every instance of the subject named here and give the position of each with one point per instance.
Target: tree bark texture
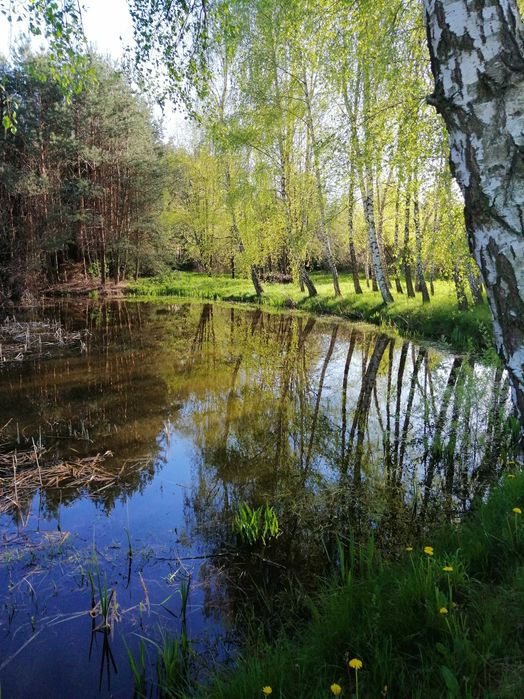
(477, 59)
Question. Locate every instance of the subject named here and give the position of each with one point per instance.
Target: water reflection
(337, 426)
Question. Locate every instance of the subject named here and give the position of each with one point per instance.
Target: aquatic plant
(254, 525)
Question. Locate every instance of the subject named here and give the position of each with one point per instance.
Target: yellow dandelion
(336, 689)
(511, 475)
(443, 610)
(266, 691)
(428, 550)
(409, 548)
(448, 569)
(517, 510)
(355, 663)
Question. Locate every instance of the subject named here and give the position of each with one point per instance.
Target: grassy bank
(439, 320)
(441, 617)
(441, 622)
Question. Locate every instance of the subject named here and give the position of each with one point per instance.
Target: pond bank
(443, 618)
(440, 320)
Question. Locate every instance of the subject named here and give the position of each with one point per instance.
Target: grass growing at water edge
(439, 320)
(442, 617)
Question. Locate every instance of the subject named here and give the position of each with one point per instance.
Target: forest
(302, 159)
(262, 363)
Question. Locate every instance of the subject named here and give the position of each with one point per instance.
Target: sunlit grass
(439, 320)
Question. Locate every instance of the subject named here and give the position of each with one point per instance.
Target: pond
(196, 409)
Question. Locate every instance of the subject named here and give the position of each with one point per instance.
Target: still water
(204, 407)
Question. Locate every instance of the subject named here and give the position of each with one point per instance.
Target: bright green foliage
(59, 22)
(254, 525)
(440, 320)
(301, 109)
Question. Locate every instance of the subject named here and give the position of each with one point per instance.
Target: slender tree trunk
(405, 249)
(326, 243)
(380, 277)
(477, 60)
(351, 232)
(306, 281)
(398, 284)
(418, 246)
(475, 285)
(462, 299)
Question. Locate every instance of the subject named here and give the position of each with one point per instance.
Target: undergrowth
(442, 617)
(440, 320)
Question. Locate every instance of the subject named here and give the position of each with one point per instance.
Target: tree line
(302, 158)
(307, 103)
(316, 149)
(80, 179)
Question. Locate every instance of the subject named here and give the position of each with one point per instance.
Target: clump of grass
(439, 618)
(254, 525)
(172, 668)
(439, 320)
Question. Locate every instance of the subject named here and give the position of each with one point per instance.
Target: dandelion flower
(517, 510)
(428, 550)
(448, 569)
(266, 691)
(409, 548)
(511, 475)
(355, 663)
(336, 689)
(443, 610)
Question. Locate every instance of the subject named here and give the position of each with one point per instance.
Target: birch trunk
(380, 277)
(405, 250)
(320, 190)
(398, 284)
(475, 285)
(351, 231)
(418, 246)
(477, 60)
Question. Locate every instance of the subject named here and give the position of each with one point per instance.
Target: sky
(108, 28)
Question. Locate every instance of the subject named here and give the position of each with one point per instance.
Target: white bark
(477, 59)
(366, 189)
(324, 235)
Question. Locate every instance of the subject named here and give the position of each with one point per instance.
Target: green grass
(386, 612)
(439, 320)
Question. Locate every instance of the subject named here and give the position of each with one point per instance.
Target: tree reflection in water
(340, 428)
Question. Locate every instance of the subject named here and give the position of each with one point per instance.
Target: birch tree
(477, 60)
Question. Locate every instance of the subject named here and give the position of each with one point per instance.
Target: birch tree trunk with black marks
(418, 247)
(477, 60)
(366, 187)
(351, 231)
(324, 235)
(406, 263)
(398, 284)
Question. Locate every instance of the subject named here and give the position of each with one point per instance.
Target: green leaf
(450, 680)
